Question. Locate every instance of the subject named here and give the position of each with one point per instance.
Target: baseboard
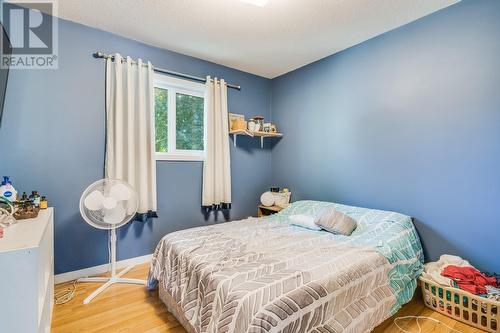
(101, 269)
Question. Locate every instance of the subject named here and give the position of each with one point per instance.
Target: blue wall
(52, 140)
(408, 121)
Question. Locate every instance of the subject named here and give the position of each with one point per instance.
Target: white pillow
(305, 221)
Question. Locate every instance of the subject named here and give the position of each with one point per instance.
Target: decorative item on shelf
(259, 123)
(44, 203)
(282, 199)
(26, 212)
(35, 198)
(239, 125)
(273, 128)
(276, 198)
(26, 208)
(267, 199)
(237, 122)
(252, 125)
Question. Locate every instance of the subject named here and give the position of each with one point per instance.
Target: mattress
(265, 275)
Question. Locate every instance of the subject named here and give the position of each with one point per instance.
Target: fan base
(108, 281)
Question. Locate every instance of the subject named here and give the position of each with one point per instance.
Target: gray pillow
(336, 222)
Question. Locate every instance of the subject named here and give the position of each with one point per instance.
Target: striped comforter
(264, 275)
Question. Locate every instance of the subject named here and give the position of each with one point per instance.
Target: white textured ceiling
(265, 40)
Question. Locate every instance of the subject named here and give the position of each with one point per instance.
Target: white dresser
(27, 275)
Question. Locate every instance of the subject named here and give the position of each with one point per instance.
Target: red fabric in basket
(469, 279)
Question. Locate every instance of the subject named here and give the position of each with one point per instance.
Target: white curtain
(129, 129)
(216, 168)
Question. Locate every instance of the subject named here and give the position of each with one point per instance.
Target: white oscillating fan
(108, 204)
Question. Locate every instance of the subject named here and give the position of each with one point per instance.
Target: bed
(266, 275)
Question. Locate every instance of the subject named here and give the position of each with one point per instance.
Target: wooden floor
(129, 308)
(416, 307)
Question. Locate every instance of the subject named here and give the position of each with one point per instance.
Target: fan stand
(114, 278)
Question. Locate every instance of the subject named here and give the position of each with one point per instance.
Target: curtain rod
(167, 72)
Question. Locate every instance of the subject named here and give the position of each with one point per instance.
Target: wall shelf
(261, 135)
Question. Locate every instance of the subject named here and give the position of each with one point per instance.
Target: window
(180, 129)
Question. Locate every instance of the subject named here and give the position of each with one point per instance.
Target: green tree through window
(189, 122)
(161, 120)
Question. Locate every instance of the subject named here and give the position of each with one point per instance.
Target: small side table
(265, 210)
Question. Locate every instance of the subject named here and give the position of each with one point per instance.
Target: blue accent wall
(408, 121)
(52, 140)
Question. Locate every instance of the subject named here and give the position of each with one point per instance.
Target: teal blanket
(392, 234)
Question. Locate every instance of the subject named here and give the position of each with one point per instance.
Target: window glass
(189, 122)
(161, 119)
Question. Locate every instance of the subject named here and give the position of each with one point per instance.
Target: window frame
(174, 86)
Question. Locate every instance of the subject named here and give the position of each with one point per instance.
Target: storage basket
(461, 305)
